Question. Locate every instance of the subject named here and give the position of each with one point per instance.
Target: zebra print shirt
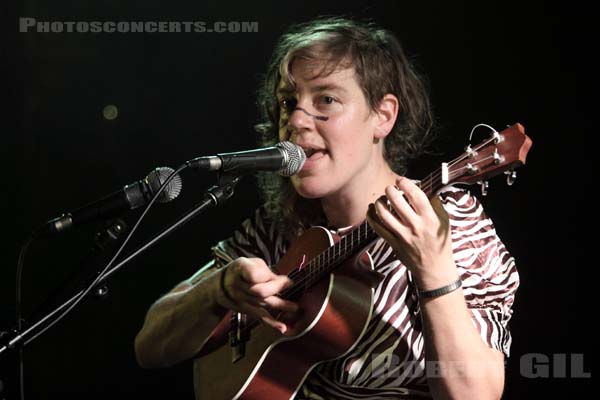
(389, 360)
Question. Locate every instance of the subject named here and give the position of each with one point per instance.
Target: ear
(387, 112)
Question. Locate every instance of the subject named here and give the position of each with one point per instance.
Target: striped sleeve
(488, 271)
(256, 237)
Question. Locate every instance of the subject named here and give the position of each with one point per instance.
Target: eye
(327, 99)
(288, 104)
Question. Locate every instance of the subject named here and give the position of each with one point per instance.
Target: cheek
(350, 135)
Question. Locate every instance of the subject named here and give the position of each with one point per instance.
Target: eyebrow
(318, 88)
(329, 86)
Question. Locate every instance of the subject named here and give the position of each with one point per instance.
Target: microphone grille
(157, 177)
(294, 158)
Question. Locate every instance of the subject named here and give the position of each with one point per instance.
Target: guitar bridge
(238, 336)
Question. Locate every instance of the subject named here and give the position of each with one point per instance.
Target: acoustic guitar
(245, 359)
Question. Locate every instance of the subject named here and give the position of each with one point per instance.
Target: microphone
(130, 197)
(285, 158)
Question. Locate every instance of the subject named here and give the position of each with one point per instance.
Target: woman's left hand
(418, 230)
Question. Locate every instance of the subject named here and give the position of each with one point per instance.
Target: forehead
(317, 75)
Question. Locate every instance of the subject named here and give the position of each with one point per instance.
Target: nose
(300, 120)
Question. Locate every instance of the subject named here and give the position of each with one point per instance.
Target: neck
(348, 206)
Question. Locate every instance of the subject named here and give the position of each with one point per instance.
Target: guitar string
(314, 268)
(313, 271)
(429, 181)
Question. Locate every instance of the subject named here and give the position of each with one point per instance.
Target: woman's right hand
(250, 287)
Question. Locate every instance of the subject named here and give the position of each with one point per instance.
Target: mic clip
(225, 187)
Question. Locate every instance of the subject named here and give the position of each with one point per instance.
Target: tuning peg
(470, 152)
(497, 137)
(511, 177)
(472, 169)
(497, 157)
(484, 185)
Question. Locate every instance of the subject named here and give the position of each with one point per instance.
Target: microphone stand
(105, 241)
(214, 196)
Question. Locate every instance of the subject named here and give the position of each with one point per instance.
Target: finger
(373, 219)
(416, 197)
(404, 211)
(238, 289)
(376, 223)
(274, 286)
(439, 210)
(397, 243)
(256, 295)
(254, 311)
(272, 322)
(241, 298)
(388, 220)
(254, 270)
(277, 303)
(266, 317)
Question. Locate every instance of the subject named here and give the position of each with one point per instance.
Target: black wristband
(441, 291)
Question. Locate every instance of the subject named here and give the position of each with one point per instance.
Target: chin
(310, 188)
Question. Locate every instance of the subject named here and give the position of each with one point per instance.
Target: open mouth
(312, 153)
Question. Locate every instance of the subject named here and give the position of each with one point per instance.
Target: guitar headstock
(502, 152)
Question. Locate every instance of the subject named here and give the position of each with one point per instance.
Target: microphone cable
(89, 287)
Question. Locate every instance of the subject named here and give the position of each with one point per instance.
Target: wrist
(440, 291)
(431, 279)
(223, 296)
(438, 281)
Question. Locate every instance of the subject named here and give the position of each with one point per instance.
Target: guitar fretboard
(349, 245)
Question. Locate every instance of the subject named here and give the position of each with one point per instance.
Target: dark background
(181, 95)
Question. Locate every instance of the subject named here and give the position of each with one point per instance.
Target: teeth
(309, 152)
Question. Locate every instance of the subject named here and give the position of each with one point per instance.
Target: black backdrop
(180, 95)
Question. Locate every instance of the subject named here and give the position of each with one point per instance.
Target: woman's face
(328, 116)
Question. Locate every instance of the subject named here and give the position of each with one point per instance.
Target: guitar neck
(501, 152)
(361, 236)
(350, 244)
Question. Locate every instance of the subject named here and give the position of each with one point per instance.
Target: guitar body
(333, 316)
